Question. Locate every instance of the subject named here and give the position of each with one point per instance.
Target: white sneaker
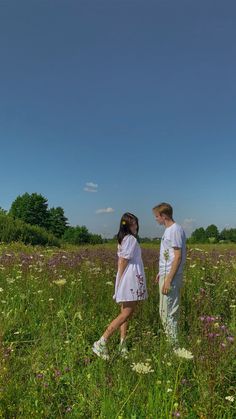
(123, 350)
(183, 353)
(100, 350)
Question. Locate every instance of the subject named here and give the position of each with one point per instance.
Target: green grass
(48, 369)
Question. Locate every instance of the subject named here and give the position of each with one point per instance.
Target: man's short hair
(164, 208)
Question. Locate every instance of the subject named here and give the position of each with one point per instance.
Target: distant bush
(96, 239)
(17, 230)
(81, 235)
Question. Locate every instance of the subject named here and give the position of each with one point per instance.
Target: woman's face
(133, 227)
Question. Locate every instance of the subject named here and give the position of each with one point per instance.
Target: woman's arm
(122, 265)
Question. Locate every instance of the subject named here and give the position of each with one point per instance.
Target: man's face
(160, 218)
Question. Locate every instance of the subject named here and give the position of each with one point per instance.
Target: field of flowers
(55, 303)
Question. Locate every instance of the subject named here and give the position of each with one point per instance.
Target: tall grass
(56, 302)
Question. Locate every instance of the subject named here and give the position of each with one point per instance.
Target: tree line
(212, 235)
(31, 220)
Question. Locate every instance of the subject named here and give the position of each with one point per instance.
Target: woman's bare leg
(123, 330)
(127, 311)
(124, 326)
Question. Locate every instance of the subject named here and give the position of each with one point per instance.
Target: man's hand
(157, 279)
(174, 268)
(166, 286)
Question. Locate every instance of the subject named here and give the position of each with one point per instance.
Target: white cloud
(105, 210)
(91, 187)
(189, 225)
(90, 190)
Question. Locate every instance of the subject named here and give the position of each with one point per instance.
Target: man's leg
(169, 308)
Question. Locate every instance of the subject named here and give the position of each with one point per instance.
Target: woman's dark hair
(126, 221)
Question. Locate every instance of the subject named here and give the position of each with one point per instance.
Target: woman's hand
(157, 279)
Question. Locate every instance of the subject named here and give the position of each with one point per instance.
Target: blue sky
(137, 98)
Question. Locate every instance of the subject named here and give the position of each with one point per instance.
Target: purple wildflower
(223, 345)
(176, 414)
(68, 409)
(57, 373)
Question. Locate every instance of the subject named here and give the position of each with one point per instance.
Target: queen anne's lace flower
(183, 353)
(230, 398)
(60, 282)
(142, 368)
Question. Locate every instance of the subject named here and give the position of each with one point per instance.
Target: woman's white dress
(132, 284)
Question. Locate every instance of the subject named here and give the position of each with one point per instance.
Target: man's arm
(174, 268)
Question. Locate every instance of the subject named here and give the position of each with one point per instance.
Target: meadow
(55, 303)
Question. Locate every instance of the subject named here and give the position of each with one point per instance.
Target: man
(170, 276)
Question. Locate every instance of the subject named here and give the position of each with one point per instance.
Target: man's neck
(168, 222)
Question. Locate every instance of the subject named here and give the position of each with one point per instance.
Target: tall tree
(31, 208)
(199, 235)
(212, 232)
(228, 234)
(57, 222)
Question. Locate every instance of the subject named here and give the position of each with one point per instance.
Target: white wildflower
(78, 315)
(230, 398)
(10, 280)
(183, 353)
(142, 368)
(109, 283)
(60, 282)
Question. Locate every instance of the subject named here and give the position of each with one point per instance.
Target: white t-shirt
(174, 236)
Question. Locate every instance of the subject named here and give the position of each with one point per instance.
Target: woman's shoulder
(127, 247)
(129, 238)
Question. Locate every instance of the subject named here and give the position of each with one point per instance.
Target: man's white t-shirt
(174, 236)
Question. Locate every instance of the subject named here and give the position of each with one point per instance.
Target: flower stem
(126, 401)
